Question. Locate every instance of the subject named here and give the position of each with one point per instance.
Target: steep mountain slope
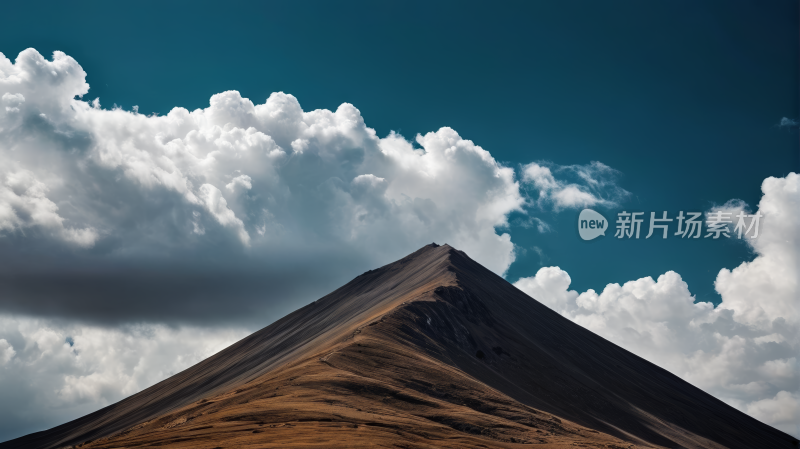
(430, 351)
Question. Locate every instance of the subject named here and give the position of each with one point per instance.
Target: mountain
(433, 350)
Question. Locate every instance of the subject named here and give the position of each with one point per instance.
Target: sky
(180, 174)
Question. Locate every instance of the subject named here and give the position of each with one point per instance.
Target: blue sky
(681, 99)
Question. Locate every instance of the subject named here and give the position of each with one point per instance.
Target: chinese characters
(718, 224)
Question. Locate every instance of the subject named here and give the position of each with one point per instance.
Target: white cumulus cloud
(231, 161)
(227, 188)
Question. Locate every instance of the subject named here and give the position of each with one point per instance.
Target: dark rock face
(431, 350)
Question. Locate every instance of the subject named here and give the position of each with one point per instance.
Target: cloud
(24, 204)
(133, 211)
(743, 351)
(6, 352)
(786, 122)
(55, 372)
(784, 407)
(542, 256)
(734, 217)
(530, 222)
(582, 185)
(766, 289)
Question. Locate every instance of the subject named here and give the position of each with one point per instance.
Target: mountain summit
(433, 350)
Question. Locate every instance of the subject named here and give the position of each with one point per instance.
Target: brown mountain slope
(430, 351)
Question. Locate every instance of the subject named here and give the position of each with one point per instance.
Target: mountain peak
(431, 350)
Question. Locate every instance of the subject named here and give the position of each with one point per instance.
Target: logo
(591, 224)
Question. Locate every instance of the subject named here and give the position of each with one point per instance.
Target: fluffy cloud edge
(590, 185)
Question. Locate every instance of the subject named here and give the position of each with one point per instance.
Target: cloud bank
(745, 350)
(115, 200)
(217, 220)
